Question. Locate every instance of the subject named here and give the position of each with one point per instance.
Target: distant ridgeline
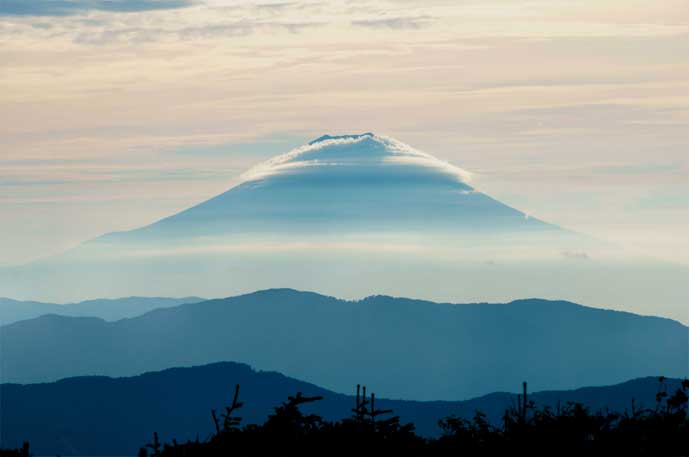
(108, 309)
(195, 412)
(407, 348)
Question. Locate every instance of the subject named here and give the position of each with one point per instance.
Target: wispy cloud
(237, 28)
(575, 255)
(398, 23)
(69, 7)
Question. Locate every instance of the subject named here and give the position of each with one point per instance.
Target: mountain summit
(355, 215)
(363, 155)
(345, 184)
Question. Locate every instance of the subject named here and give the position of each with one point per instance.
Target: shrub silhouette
(230, 422)
(567, 430)
(21, 452)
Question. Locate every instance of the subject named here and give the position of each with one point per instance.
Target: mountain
(352, 216)
(342, 184)
(107, 309)
(405, 348)
(115, 416)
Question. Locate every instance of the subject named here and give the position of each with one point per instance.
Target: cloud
(359, 151)
(575, 255)
(69, 7)
(395, 23)
(243, 27)
(276, 7)
(148, 34)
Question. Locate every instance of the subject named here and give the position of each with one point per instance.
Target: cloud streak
(227, 29)
(395, 23)
(70, 7)
(575, 255)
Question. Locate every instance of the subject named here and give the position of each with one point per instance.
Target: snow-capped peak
(355, 154)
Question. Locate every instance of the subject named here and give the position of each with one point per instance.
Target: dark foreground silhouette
(123, 412)
(570, 429)
(21, 452)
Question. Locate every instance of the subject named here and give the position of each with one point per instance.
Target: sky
(118, 113)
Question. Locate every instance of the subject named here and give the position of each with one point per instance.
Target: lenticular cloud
(364, 151)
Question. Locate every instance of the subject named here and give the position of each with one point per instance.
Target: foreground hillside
(406, 348)
(106, 416)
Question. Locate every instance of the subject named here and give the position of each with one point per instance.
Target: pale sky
(115, 114)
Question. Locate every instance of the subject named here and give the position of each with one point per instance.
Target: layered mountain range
(352, 216)
(108, 309)
(409, 349)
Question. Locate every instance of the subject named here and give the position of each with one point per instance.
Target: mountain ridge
(409, 348)
(375, 298)
(109, 309)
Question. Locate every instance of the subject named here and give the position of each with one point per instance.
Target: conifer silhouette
(569, 430)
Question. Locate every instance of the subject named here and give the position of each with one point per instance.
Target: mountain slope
(106, 416)
(107, 309)
(351, 183)
(406, 348)
(352, 216)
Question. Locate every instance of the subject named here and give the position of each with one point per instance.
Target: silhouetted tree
(569, 430)
(21, 452)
